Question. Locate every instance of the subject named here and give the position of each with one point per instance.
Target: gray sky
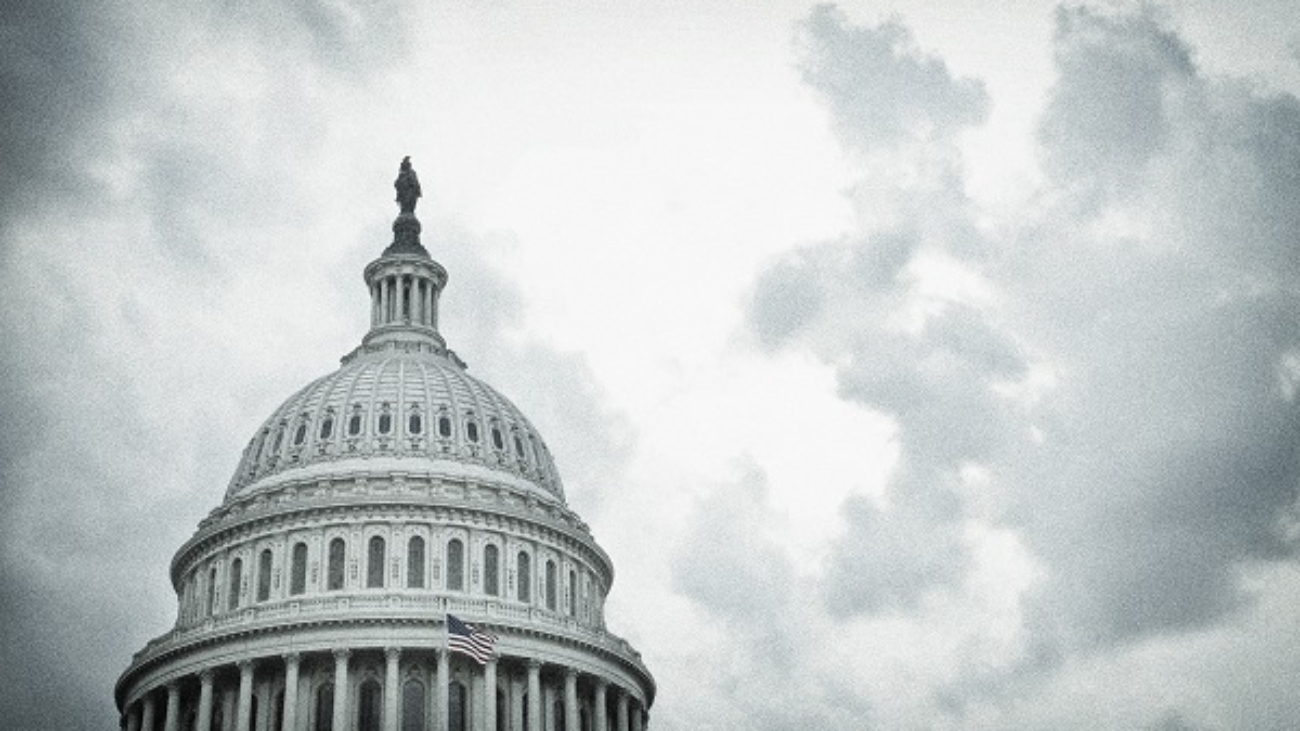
(929, 364)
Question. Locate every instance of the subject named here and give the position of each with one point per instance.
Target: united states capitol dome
(377, 509)
(397, 409)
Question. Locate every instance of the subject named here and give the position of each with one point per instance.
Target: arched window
(300, 435)
(444, 426)
(573, 594)
(471, 431)
(324, 708)
(375, 563)
(455, 565)
(497, 441)
(338, 551)
(327, 427)
(385, 423)
(354, 425)
(236, 575)
(491, 570)
(457, 715)
(368, 706)
(525, 577)
(298, 573)
(264, 575)
(211, 603)
(550, 585)
(413, 424)
(415, 563)
(413, 706)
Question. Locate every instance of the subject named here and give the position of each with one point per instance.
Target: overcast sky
(919, 364)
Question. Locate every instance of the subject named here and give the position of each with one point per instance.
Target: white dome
(420, 408)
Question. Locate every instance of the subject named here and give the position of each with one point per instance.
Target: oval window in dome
(300, 436)
(354, 425)
(385, 423)
(497, 441)
(471, 431)
(327, 427)
(413, 424)
(444, 426)
(519, 447)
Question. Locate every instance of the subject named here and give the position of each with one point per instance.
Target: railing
(388, 606)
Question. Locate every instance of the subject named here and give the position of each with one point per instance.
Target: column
(205, 700)
(490, 695)
(534, 695)
(392, 713)
(440, 688)
(638, 717)
(601, 722)
(173, 720)
(290, 722)
(133, 718)
(622, 711)
(517, 689)
(340, 689)
(243, 707)
(146, 721)
(571, 699)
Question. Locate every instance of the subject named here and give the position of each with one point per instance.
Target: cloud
(880, 89)
(1118, 369)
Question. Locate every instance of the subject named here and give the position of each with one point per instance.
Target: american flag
(462, 637)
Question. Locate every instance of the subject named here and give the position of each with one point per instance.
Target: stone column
(385, 300)
(534, 695)
(638, 717)
(391, 681)
(440, 684)
(146, 721)
(517, 704)
(622, 711)
(341, 689)
(243, 707)
(205, 701)
(133, 718)
(290, 720)
(571, 699)
(173, 720)
(490, 695)
(602, 721)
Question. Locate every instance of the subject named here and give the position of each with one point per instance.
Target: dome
(378, 510)
(418, 412)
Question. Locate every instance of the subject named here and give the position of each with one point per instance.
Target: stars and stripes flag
(462, 637)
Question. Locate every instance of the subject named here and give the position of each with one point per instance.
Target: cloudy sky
(919, 364)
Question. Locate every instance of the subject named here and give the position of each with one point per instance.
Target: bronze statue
(408, 186)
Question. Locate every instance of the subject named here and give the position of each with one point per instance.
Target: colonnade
(403, 299)
(267, 694)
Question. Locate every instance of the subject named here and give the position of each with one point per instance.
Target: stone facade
(371, 504)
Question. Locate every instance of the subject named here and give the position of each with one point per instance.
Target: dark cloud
(881, 90)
